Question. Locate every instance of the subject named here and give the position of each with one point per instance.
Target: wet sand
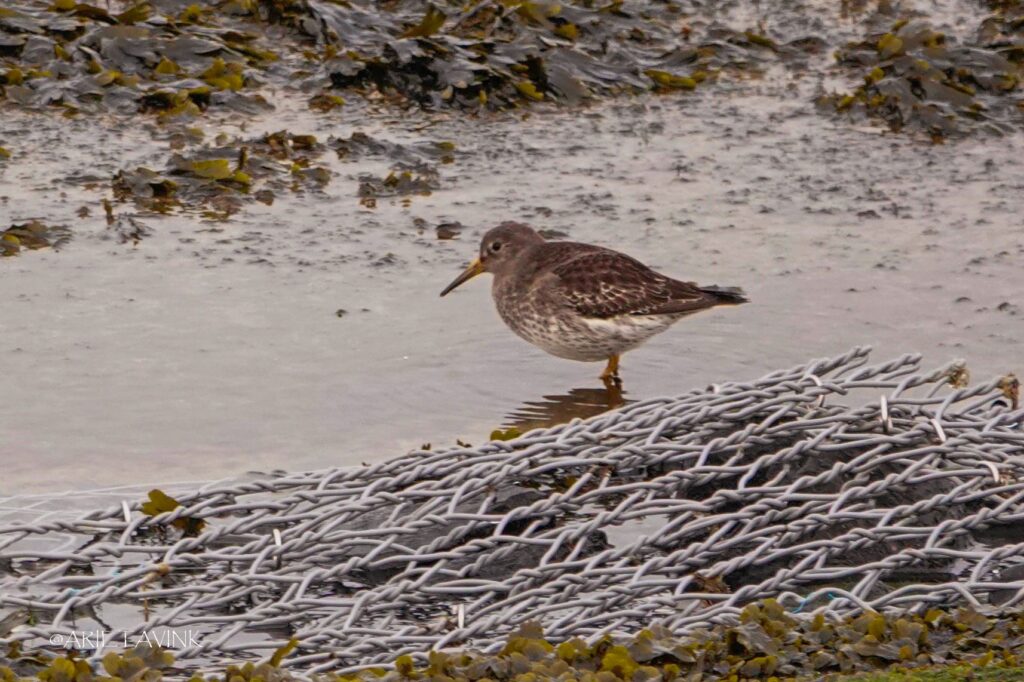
(212, 348)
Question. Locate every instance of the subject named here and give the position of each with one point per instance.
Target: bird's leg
(610, 375)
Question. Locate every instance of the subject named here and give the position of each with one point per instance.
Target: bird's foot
(610, 375)
(612, 381)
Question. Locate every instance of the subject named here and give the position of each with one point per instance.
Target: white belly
(590, 339)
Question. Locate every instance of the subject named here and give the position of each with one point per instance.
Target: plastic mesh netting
(835, 486)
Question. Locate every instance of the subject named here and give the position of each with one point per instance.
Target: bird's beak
(474, 269)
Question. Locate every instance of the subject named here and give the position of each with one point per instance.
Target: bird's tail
(726, 295)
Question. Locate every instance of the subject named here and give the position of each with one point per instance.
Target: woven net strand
(835, 487)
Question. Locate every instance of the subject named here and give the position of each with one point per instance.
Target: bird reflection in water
(552, 410)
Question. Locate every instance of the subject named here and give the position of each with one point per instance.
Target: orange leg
(610, 375)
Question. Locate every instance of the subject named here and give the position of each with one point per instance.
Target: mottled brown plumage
(606, 283)
(581, 301)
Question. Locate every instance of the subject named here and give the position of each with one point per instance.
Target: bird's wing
(606, 283)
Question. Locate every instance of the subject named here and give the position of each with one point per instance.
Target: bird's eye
(496, 247)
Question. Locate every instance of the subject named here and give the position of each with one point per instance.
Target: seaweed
(151, 57)
(216, 180)
(173, 60)
(160, 502)
(31, 236)
(768, 642)
(919, 79)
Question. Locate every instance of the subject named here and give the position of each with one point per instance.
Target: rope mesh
(836, 486)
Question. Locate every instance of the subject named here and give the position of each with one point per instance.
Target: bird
(582, 301)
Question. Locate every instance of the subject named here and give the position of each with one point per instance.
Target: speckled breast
(561, 331)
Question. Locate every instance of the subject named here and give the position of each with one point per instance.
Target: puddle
(628, 531)
(305, 330)
(577, 403)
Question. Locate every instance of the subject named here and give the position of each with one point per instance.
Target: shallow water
(211, 348)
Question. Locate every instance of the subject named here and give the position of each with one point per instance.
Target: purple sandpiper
(580, 301)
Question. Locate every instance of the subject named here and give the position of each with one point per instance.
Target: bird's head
(499, 249)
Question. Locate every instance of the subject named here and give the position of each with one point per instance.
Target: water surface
(309, 333)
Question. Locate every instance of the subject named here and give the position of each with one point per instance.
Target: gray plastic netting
(676, 511)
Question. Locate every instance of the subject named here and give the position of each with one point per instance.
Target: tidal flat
(226, 224)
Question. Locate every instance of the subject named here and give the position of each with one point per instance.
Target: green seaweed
(768, 643)
(160, 502)
(216, 180)
(31, 236)
(919, 80)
